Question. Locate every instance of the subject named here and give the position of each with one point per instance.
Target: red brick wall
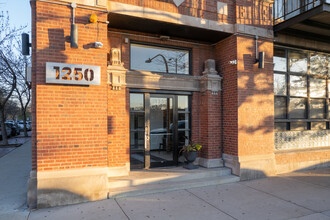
(248, 102)
(70, 122)
(118, 127)
(226, 51)
(255, 98)
(210, 125)
(33, 79)
(255, 13)
(292, 157)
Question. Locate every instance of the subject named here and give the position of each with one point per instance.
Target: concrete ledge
(251, 167)
(175, 18)
(210, 163)
(301, 42)
(32, 190)
(252, 30)
(119, 171)
(71, 186)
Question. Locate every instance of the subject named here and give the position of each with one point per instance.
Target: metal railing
(286, 9)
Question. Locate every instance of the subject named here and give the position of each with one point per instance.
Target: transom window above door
(159, 59)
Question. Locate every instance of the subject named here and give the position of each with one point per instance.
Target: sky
(19, 13)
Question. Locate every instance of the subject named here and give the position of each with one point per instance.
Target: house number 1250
(73, 74)
(77, 75)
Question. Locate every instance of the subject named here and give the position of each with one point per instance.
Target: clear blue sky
(19, 12)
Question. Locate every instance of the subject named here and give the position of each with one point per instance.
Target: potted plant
(189, 151)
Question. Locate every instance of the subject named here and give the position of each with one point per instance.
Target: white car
(21, 126)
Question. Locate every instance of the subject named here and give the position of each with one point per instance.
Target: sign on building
(65, 73)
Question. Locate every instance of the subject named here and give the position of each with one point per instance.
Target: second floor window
(159, 59)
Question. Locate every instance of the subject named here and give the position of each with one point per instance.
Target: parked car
(15, 130)
(8, 130)
(21, 126)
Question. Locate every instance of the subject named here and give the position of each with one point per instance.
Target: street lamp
(176, 63)
(159, 55)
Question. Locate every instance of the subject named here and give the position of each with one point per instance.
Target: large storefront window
(159, 59)
(301, 89)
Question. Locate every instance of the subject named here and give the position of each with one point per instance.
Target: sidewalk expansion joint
(122, 209)
(210, 204)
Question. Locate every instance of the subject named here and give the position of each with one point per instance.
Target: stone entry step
(169, 179)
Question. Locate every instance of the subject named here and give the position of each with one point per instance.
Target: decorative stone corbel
(116, 71)
(210, 80)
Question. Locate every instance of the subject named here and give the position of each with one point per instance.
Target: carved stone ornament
(116, 71)
(210, 80)
(116, 57)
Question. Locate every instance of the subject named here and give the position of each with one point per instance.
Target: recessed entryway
(158, 126)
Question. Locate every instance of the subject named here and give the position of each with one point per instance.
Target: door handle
(147, 133)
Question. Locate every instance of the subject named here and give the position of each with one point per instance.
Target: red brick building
(166, 69)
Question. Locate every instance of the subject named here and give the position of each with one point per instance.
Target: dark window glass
(317, 88)
(159, 59)
(279, 60)
(297, 108)
(137, 140)
(279, 84)
(298, 126)
(183, 120)
(136, 120)
(280, 107)
(298, 62)
(298, 86)
(319, 64)
(317, 108)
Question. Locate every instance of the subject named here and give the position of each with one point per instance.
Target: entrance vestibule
(159, 124)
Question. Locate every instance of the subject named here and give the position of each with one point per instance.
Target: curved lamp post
(158, 55)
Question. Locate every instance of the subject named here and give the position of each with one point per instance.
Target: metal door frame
(161, 94)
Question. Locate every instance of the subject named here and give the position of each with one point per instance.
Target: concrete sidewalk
(300, 195)
(15, 169)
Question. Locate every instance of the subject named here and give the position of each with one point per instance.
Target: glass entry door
(158, 126)
(161, 130)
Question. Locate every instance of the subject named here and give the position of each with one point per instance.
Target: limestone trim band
(72, 173)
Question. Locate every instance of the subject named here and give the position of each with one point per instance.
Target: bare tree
(9, 65)
(12, 110)
(23, 93)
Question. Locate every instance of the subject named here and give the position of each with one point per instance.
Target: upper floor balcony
(304, 18)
